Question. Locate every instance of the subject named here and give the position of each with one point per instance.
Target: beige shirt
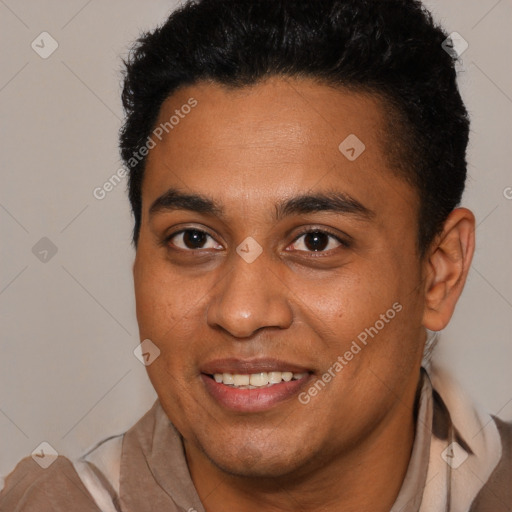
(145, 470)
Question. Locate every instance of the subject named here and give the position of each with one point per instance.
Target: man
(295, 174)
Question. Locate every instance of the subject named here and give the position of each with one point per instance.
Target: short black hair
(390, 48)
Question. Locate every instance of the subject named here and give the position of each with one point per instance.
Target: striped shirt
(461, 461)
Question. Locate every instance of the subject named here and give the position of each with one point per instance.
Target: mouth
(253, 386)
(256, 380)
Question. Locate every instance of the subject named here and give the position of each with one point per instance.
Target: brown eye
(193, 239)
(316, 241)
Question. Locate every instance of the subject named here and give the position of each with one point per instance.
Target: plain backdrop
(68, 375)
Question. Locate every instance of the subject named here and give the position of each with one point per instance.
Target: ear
(446, 268)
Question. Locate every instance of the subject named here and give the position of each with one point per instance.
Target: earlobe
(447, 267)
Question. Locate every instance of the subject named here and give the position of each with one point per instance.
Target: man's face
(262, 171)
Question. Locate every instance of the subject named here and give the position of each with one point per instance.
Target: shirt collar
(411, 493)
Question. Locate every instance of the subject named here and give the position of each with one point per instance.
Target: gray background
(67, 370)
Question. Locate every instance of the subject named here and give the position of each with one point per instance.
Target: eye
(192, 239)
(316, 241)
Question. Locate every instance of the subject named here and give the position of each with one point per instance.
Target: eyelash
(343, 243)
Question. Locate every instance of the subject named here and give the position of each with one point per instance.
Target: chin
(249, 461)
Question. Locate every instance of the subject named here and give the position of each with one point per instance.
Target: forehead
(270, 141)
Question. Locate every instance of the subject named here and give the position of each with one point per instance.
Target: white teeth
(287, 376)
(227, 378)
(256, 380)
(241, 380)
(259, 379)
(274, 377)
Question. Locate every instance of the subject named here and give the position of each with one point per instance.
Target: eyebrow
(336, 202)
(173, 199)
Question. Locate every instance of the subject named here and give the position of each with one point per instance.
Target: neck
(367, 477)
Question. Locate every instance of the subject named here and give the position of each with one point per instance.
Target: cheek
(346, 302)
(158, 302)
(170, 309)
(367, 313)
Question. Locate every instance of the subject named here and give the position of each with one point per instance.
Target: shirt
(461, 461)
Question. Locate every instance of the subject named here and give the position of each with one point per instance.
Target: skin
(249, 150)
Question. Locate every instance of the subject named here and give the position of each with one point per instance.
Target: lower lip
(253, 400)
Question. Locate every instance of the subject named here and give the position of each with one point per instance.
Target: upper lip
(248, 366)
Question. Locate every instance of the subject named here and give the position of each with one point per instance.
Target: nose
(250, 297)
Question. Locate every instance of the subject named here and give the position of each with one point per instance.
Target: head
(295, 172)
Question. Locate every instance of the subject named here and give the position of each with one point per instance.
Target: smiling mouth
(254, 390)
(256, 380)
